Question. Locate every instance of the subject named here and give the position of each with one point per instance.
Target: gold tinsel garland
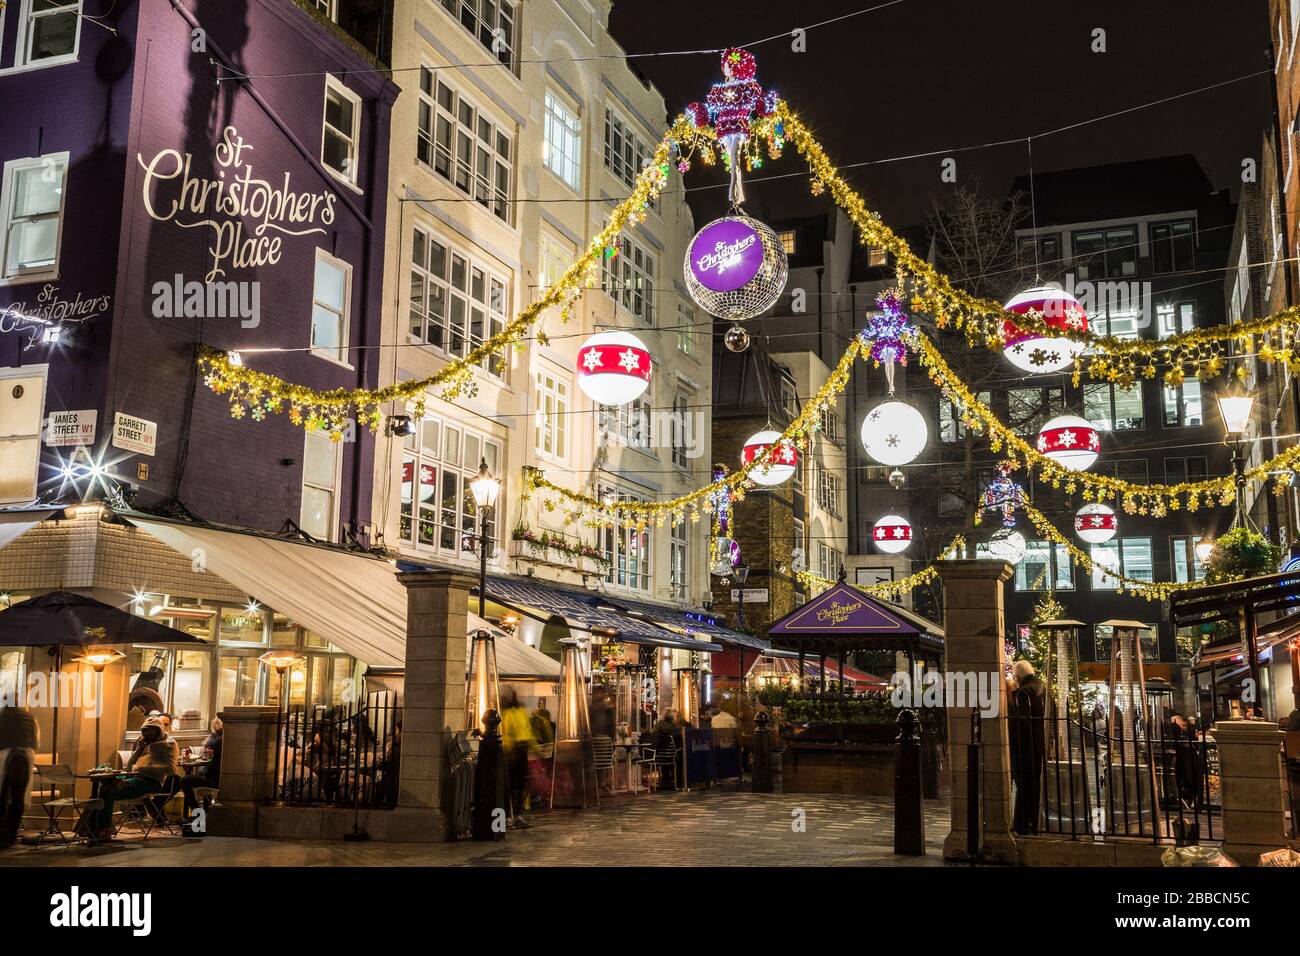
(1156, 500)
(1200, 351)
(254, 393)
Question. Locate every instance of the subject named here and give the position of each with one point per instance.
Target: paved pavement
(705, 828)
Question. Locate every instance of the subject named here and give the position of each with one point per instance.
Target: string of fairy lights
(736, 270)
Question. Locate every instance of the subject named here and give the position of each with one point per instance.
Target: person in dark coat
(19, 738)
(1187, 768)
(1026, 720)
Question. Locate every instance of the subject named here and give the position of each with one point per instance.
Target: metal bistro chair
(602, 758)
(59, 779)
(147, 812)
(665, 759)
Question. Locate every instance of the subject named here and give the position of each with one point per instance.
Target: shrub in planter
(1241, 553)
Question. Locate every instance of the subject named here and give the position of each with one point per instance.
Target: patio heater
(686, 685)
(282, 661)
(1127, 715)
(628, 693)
(482, 691)
(99, 658)
(574, 759)
(1065, 792)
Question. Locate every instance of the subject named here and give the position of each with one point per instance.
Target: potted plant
(1241, 553)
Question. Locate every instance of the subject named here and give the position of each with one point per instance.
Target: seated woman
(155, 758)
(206, 776)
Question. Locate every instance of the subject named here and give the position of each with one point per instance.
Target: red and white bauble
(1031, 352)
(1096, 523)
(1070, 441)
(779, 467)
(614, 367)
(892, 534)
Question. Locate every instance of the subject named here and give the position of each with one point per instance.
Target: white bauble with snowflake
(1070, 441)
(894, 433)
(614, 367)
(892, 534)
(1096, 523)
(779, 467)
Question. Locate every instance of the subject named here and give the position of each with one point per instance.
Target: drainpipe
(821, 331)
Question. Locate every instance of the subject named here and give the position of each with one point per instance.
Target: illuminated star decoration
(592, 360)
(1004, 495)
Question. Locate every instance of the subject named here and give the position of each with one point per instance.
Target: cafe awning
(698, 622)
(352, 600)
(589, 612)
(14, 524)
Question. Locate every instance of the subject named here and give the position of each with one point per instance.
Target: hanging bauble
(1070, 441)
(781, 465)
(614, 367)
(1096, 523)
(736, 268)
(894, 433)
(1032, 352)
(737, 338)
(1008, 544)
(892, 534)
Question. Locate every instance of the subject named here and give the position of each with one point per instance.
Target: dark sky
(934, 74)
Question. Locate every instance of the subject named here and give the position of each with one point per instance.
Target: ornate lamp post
(1236, 406)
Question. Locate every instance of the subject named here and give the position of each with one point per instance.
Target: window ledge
(40, 65)
(333, 359)
(30, 278)
(343, 180)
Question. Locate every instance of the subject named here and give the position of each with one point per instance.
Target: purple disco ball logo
(726, 255)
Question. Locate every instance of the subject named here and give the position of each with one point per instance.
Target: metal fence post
(761, 778)
(909, 817)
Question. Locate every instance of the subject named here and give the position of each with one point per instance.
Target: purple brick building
(178, 172)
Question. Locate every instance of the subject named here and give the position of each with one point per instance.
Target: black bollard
(489, 817)
(909, 819)
(974, 826)
(761, 780)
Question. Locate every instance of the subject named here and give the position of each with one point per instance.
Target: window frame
(458, 10)
(622, 166)
(414, 449)
(1181, 402)
(571, 134)
(1052, 580)
(619, 534)
(334, 491)
(329, 9)
(552, 429)
(1122, 569)
(1110, 423)
(36, 437)
(635, 284)
(23, 37)
(485, 194)
(1171, 239)
(8, 196)
(1130, 248)
(340, 357)
(334, 84)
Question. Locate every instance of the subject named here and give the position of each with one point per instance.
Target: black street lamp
(485, 488)
(1236, 406)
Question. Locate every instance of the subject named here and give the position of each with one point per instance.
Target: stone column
(433, 701)
(974, 650)
(247, 770)
(1254, 801)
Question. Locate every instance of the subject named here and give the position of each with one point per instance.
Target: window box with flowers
(548, 547)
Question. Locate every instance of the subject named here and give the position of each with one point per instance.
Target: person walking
(19, 738)
(517, 741)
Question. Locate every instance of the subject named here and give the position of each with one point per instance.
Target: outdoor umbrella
(61, 618)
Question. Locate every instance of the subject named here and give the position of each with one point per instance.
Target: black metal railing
(347, 755)
(1079, 776)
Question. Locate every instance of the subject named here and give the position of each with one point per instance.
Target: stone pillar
(247, 770)
(1254, 801)
(974, 636)
(433, 701)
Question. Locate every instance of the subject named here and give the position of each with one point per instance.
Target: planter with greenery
(1241, 553)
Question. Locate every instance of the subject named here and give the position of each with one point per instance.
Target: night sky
(925, 75)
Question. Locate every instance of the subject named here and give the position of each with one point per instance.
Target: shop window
(342, 130)
(34, 194)
(1182, 404)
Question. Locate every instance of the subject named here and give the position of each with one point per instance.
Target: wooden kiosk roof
(843, 618)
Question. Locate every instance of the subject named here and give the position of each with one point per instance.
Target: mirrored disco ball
(735, 268)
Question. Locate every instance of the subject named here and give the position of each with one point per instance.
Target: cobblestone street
(685, 829)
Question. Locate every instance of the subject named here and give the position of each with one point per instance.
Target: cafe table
(85, 823)
(626, 755)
